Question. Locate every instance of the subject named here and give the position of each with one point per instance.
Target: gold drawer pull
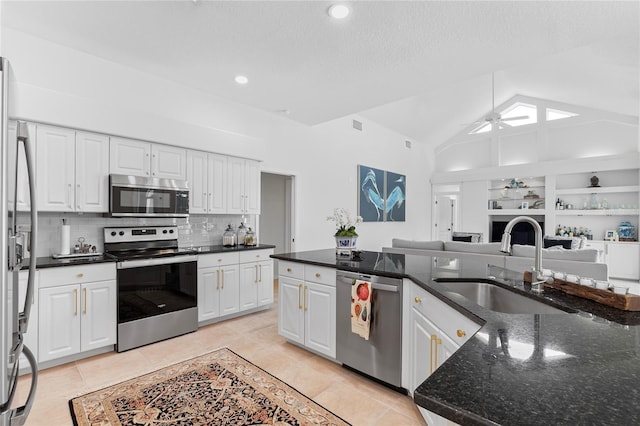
(317, 275)
(461, 333)
(80, 275)
(418, 300)
(288, 269)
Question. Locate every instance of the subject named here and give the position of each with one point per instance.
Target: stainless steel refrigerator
(15, 162)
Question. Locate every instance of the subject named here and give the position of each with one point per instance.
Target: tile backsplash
(197, 230)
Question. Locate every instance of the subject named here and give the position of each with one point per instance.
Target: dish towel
(361, 308)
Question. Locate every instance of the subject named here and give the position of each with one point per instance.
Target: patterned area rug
(219, 388)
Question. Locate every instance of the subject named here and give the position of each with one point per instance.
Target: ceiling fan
(495, 117)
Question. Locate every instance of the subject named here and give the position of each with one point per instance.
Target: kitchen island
(578, 366)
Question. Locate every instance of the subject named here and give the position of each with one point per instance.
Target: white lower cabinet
(307, 309)
(437, 331)
(76, 312)
(218, 285)
(623, 260)
(256, 279)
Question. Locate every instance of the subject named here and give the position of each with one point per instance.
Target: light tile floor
(254, 337)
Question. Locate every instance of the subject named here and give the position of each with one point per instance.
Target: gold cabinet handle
(461, 333)
(317, 275)
(256, 279)
(217, 279)
(222, 275)
(75, 302)
(288, 269)
(438, 342)
(84, 296)
(433, 338)
(260, 270)
(418, 300)
(80, 275)
(299, 293)
(305, 298)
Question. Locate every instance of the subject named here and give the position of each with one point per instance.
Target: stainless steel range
(157, 284)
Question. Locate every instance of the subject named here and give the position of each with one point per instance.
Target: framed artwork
(395, 196)
(370, 194)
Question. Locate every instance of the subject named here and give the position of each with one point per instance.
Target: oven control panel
(140, 233)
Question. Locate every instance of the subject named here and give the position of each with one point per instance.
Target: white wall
(62, 86)
(272, 217)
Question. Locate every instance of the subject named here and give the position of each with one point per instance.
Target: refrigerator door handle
(23, 136)
(19, 415)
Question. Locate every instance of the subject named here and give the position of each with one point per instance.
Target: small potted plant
(346, 235)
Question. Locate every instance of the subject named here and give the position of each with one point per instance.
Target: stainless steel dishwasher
(381, 356)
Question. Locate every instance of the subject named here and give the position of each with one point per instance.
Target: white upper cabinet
(197, 181)
(244, 186)
(92, 172)
(207, 179)
(73, 170)
(23, 200)
(130, 157)
(168, 162)
(217, 182)
(138, 158)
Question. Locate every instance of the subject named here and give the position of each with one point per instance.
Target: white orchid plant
(345, 225)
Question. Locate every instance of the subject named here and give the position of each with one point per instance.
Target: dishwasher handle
(385, 287)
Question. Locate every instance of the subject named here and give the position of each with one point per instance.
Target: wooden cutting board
(625, 302)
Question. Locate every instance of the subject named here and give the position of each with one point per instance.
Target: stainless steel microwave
(134, 196)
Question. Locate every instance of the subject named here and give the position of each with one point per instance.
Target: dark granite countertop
(579, 367)
(50, 262)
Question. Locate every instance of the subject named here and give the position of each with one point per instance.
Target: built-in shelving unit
(511, 196)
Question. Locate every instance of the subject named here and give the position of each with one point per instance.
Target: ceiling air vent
(407, 144)
(357, 125)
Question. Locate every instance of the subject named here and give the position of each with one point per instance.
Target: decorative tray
(625, 302)
(75, 255)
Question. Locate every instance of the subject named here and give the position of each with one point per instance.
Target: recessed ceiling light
(241, 79)
(339, 11)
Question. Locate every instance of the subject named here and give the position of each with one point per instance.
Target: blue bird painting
(382, 195)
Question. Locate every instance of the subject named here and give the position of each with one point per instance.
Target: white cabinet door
(208, 293)
(265, 282)
(252, 187)
(99, 315)
(623, 260)
(197, 179)
(422, 349)
(229, 289)
(217, 183)
(249, 285)
(23, 200)
(129, 157)
(56, 168)
(168, 162)
(59, 322)
(244, 186)
(290, 309)
(235, 184)
(320, 318)
(92, 173)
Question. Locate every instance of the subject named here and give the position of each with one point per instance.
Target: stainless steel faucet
(505, 247)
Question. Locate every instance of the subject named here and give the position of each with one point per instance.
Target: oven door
(152, 287)
(147, 201)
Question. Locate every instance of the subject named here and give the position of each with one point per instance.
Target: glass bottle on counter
(229, 237)
(250, 238)
(240, 234)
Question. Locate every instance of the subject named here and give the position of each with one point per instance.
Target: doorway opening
(277, 217)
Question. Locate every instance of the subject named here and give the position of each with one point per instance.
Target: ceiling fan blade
(503, 124)
(520, 117)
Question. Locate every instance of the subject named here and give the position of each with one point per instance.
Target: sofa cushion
(572, 242)
(484, 248)
(412, 244)
(556, 252)
(555, 242)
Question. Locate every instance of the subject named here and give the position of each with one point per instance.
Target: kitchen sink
(500, 299)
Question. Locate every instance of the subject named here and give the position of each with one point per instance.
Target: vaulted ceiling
(422, 67)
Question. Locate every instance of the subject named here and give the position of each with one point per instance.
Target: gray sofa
(582, 262)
